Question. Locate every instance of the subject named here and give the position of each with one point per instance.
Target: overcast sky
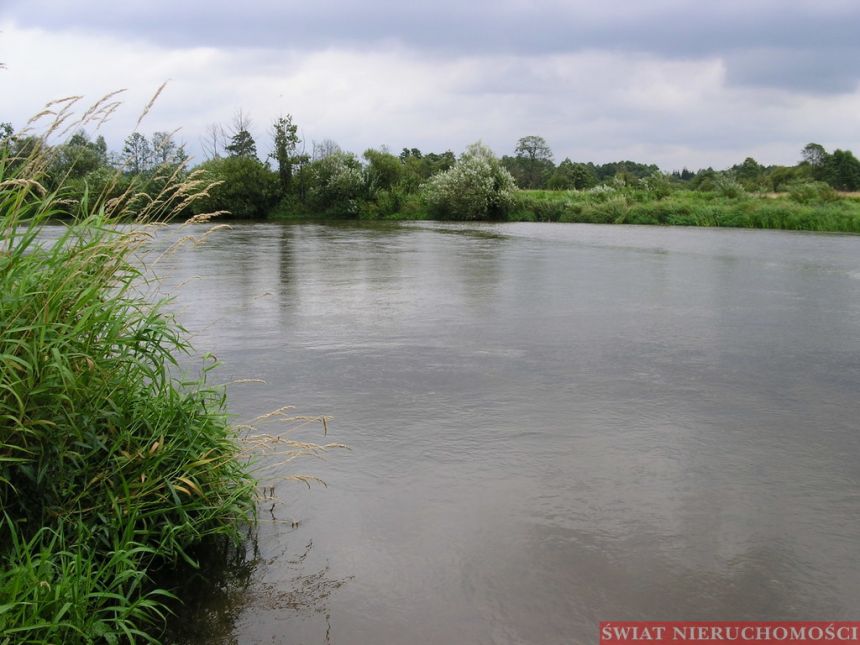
(672, 82)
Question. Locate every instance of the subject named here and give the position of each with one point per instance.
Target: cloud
(790, 44)
(598, 104)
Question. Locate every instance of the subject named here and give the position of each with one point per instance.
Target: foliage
(336, 185)
(728, 186)
(419, 167)
(165, 151)
(606, 205)
(572, 176)
(76, 158)
(242, 144)
(136, 154)
(286, 140)
(812, 191)
(476, 187)
(656, 186)
(111, 467)
(384, 171)
(244, 187)
(531, 165)
(842, 170)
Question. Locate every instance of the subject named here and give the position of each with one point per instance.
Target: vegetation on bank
(622, 205)
(331, 183)
(111, 468)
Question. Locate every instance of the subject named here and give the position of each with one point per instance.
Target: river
(548, 425)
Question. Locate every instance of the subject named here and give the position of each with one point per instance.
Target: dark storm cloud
(788, 44)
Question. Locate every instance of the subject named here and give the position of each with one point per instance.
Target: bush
(245, 188)
(656, 186)
(476, 187)
(727, 186)
(812, 191)
(110, 467)
(336, 185)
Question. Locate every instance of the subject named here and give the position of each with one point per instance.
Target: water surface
(550, 425)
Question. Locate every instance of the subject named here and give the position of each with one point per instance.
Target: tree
(842, 170)
(247, 189)
(77, 157)
(814, 154)
(136, 154)
(749, 172)
(325, 148)
(571, 175)
(336, 184)
(6, 132)
(406, 153)
(286, 140)
(165, 150)
(532, 164)
(383, 170)
(780, 178)
(533, 148)
(242, 144)
(214, 139)
(476, 187)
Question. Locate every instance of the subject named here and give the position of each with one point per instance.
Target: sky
(671, 82)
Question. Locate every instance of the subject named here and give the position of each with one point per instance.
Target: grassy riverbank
(111, 469)
(839, 214)
(792, 211)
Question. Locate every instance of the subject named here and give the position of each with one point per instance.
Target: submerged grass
(111, 468)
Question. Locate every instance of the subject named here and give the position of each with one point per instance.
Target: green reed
(111, 468)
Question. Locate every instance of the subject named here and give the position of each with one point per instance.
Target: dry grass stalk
(151, 103)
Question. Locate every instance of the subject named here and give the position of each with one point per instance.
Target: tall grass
(110, 466)
(811, 210)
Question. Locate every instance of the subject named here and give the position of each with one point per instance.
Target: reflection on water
(550, 425)
(232, 582)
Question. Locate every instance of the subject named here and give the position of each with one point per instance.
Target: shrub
(812, 191)
(656, 186)
(336, 185)
(244, 188)
(476, 187)
(727, 186)
(110, 467)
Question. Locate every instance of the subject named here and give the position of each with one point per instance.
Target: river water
(549, 426)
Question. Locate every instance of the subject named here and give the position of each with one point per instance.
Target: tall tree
(214, 140)
(165, 150)
(242, 144)
(814, 154)
(286, 140)
(532, 164)
(842, 170)
(533, 148)
(136, 154)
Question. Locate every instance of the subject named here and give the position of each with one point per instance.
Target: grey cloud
(791, 44)
(824, 71)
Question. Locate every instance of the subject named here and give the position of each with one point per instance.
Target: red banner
(761, 633)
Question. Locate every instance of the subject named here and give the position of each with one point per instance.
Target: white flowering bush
(337, 184)
(476, 187)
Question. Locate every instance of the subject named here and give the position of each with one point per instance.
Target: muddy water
(549, 425)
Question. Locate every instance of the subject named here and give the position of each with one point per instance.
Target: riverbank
(831, 212)
(823, 211)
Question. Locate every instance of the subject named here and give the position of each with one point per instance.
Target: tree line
(321, 179)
